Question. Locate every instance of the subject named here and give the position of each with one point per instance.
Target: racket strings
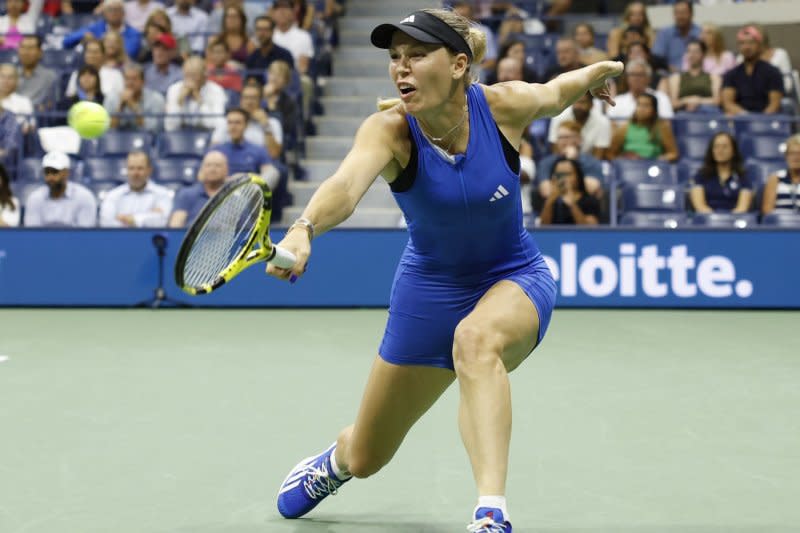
(223, 236)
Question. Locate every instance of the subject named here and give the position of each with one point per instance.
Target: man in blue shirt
(244, 156)
(754, 86)
(267, 51)
(190, 200)
(113, 19)
(671, 41)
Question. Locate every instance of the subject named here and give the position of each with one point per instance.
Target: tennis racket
(230, 233)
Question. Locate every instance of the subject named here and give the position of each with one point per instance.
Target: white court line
(3, 358)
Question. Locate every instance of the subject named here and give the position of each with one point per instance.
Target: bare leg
(394, 399)
(492, 340)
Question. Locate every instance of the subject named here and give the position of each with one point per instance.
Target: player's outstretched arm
(337, 197)
(517, 102)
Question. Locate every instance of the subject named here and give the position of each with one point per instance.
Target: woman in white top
(111, 81)
(14, 24)
(9, 205)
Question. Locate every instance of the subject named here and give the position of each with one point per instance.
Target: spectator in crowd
(719, 59)
(15, 24)
(568, 144)
(635, 15)
(113, 19)
(304, 13)
(782, 190)
(12, 101)
(466, 10)
(220, 68)
(189, 22)
(266, 51)
(9, 205)
(244, 156)
(645, 136)
(567, 58)
(777, 57)
(261, 129)
(671, 41)
(640, 51)
(251, 10)
(584, 36)
(754, 86)
(79, 6)
(137, 12)
(157, 24)
(60, 202)
(514, 48)
(199, 102)
(139, 106)
(234, 32)
(116, 57)
(595, 128)
(637, 76)
(694, 89)
(94, 55)
(277, 99)
(36, 82)
(162, 73)
(89, 90)
(140, 203)
(568, 201)
(190, 200)
(10, 136)
(299, 43)
(721, 183)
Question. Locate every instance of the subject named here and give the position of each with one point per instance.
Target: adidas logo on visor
(408, 19)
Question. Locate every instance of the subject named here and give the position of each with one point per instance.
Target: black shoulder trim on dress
(511, 153)
(406, 178)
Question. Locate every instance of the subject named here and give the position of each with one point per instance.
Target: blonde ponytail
(476, 40)
(387, 103)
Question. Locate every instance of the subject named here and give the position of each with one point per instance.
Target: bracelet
(305, 223)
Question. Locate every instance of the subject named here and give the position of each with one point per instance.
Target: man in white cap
(60, 202)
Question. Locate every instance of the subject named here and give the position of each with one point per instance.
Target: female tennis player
(472, 296)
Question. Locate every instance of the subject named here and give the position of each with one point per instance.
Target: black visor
(425, 28)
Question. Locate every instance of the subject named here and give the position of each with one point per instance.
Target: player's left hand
(603, 92)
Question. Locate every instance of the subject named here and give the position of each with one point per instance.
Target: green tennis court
(187, 421)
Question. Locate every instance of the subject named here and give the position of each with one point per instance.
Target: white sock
(493, 502)
(338, 472)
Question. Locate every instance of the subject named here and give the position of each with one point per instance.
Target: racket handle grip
(281, 258)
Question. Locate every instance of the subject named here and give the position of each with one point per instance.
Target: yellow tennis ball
(89, 119)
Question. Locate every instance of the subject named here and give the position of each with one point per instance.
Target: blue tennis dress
(464, 217)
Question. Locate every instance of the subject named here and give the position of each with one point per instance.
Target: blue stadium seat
(101, 188)
(781, 219)
(66, 59)
(24, 189)
(30, 170)
(642, 171)
(176, 170)
(693, 146)
(725, 220)
(689, 124)
(654, 220)
(653, 197)
(759, 171)
(778, 125)
(9, 55)
(183, 143)
(687, 170)
(764, 147)
(104, 169)
(117, 143)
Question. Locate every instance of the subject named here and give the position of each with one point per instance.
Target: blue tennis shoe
(489, 521)
(308, 484)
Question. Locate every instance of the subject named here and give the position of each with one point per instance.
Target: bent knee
(475, 345)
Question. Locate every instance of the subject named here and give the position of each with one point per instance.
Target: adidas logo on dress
(499, 194)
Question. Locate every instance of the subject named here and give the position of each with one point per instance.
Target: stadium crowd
(200, 90)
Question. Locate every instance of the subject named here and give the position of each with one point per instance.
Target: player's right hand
(296, 241)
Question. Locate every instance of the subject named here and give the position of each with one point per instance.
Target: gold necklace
(454, 128)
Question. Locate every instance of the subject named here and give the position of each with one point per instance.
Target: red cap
(166, 40)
